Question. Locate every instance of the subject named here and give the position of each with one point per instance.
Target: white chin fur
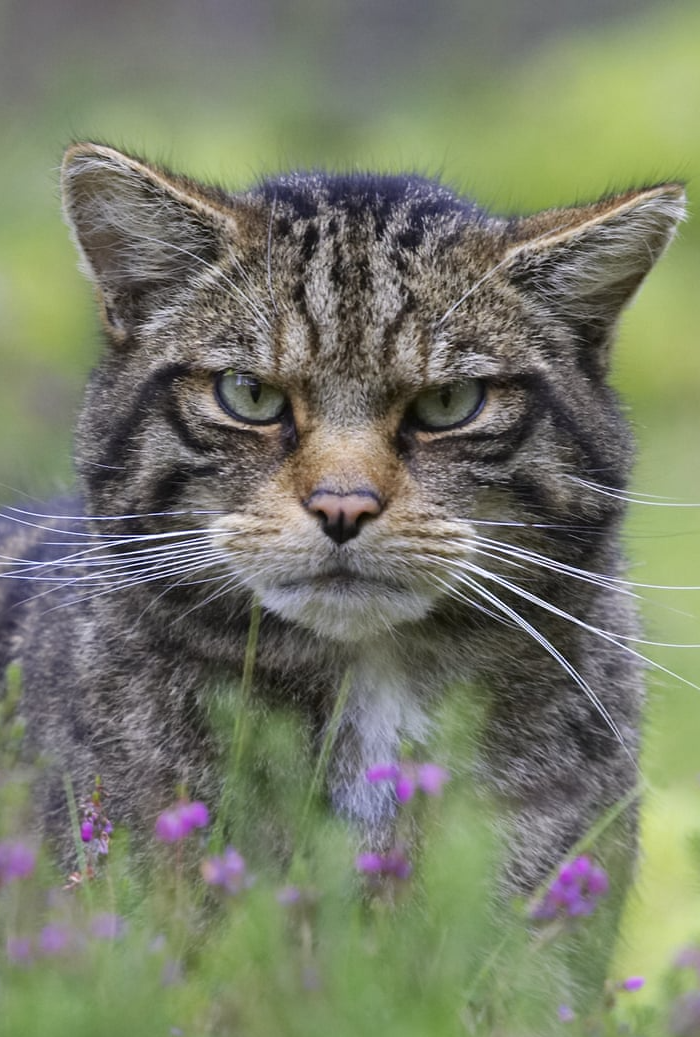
(345, 616)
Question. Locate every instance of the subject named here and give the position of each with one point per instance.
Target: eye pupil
(246, 398)
(450, 406)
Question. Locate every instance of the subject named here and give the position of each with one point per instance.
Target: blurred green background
(521, 104)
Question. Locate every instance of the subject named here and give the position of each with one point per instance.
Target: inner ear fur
(586, 262)
(138, 228)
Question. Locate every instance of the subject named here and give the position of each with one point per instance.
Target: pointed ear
(586, 263)
(139, 230)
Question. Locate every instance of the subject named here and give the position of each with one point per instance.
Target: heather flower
(95, 826)
(227, 871)
(17, 860)
(407, 776)
(56, 939)
(632, 984)
(689, 958)
(288, 895)
(19, 950)
(180, 820)
(394, 863)
(194, 815)
(685, 1016)
(107, 926)
(576, 890)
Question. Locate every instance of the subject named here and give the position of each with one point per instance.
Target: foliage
(256, 940)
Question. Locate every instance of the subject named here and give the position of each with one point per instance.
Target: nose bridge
(346, 461)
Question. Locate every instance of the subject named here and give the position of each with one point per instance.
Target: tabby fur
(405, 555)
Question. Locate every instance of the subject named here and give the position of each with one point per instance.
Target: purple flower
(431, 778)
(107, 926)
(406, 777)
(17, 860)
(181, 819)
(170, 827)
(55, 939)
(227, 871)
(632, 983)
(395, 863)
(95, 827)
(194, 815)
(565, 1014)
(404, 786)
(688, 958)
(576, 891)
(288, 895)
(19, 950)
(685, 1016)
(383, 772)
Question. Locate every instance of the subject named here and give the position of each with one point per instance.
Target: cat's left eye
(248, 399)
(449, 406)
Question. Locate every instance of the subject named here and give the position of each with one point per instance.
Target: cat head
(349, 374)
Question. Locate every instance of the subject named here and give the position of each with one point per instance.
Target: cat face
(353, 381)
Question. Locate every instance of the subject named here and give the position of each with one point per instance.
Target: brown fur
(354, 297)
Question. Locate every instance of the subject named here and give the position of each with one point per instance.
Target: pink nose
(342, 514)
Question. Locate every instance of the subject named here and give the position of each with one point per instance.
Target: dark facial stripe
(168, 490)
(393, 329)
(117, 447)
(313, 337)
(581, 435)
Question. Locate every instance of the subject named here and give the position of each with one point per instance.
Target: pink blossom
(56, 939)
(288, 895)
(17, 860)
(19, 950)
(107, 926)
(227, 871)
(179, 820)
(575, 891)
(395, 863)
(407, 776)
(431, 778)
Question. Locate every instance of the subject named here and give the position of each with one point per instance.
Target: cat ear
(138, 229)
(585, 263)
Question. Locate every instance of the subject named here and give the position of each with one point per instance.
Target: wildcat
(381, 413)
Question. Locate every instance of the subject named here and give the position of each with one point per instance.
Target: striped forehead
(344, 270)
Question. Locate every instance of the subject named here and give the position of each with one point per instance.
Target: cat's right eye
(446, 407)
(244, 397)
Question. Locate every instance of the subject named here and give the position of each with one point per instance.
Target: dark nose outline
(342, 514)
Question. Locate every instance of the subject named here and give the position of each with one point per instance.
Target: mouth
(344, 606)
(342, 582)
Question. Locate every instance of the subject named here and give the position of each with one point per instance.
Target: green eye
(449, 406)
(244, 397)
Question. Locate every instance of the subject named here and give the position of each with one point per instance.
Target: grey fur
(352, 296)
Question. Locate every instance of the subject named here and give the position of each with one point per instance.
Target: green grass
(431, 954)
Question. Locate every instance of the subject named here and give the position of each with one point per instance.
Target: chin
(346, 614)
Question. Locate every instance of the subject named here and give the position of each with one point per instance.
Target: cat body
(380, 413)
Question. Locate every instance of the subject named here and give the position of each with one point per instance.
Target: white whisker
(605, 635)
(545, 643)
(646, 499)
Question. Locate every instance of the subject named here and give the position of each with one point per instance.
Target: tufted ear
(585, 263)
(139, 229)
